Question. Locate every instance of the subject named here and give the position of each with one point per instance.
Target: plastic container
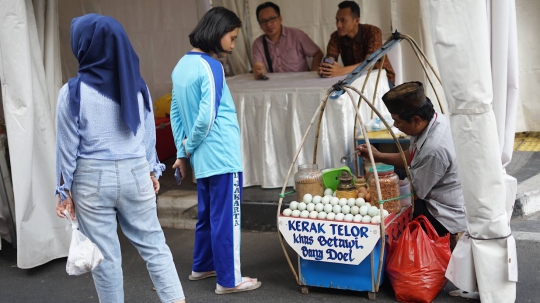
(389, 183)
(346, 188)
(360, 182)
(404, 189)
(331, 176)
(308, 180)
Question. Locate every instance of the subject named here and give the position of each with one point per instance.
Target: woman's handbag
(83, 254)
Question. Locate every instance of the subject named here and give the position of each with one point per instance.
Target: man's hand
(258, 70)
(67, 205)
(363, 152)
(181, 163)
(328, 70)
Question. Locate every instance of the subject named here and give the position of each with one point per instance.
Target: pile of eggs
(332, 208)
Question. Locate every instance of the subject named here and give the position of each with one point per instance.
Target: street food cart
(337, 253)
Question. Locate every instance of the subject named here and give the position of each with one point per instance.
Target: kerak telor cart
(334, 254)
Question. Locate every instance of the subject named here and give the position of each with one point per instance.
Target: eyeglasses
(267, 21)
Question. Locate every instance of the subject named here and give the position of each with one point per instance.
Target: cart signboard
(329, 241)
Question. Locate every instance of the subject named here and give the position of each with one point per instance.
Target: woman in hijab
(106, 162)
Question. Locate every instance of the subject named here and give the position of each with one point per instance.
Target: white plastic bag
(83, 254)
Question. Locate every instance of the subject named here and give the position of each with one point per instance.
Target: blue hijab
(107, 63)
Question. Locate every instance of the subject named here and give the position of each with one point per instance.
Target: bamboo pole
(357, 166)
(317, 112)
(377, 83)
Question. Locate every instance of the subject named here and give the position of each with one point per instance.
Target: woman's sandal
(199, 276)
(246, 285)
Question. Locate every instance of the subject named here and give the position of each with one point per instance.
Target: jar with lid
(346, 188)
(360, 182)
(308, 180)
(389, 183)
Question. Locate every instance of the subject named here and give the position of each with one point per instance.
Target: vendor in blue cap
(431, 158)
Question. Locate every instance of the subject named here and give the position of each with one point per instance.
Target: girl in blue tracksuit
(205, 128)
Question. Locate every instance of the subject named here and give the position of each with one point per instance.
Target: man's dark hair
(266, 5)
(425, 112)
(215, 24)
(355, 9)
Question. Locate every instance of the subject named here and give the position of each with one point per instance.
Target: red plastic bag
(417, 262)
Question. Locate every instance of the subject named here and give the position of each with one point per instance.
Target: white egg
(351, 202)
(339, 217)
(302, 206)
(355, 210)
(385, 213)
(357, 218)
(336, 209)
(366, 219)
(295, 213)
(330, 216)
(313, 214)
(368, 204)
(310, 207)
(360, 201)
(328, 208)
(287, 212)
(293, 205)
(342, 202)
(363, 210)
(304, 214)
(307, 198)
(333, 194)
(326, 199)
(376, 220)
(328, 192)
(321, 215)
(316, 199)
(373, 211)
(345, 209)
(334, 201)
(348, 217)
(319, 207)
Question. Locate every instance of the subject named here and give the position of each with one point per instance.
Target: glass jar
(346, 188)
(308, 180)
(360, 182)
(389, 183)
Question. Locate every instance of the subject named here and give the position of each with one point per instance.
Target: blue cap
(382, 168)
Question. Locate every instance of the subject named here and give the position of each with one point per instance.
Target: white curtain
(316, 18)
(30, 74)
(528, 23)
(158, 30)
(480, 62)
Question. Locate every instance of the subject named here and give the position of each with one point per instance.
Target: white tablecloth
(274, 115)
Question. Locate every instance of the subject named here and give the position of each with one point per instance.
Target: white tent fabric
(158, 30)
(408, 17)
(528, 23)
(30, 81)
(468, 83)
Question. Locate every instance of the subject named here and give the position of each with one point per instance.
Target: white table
(274, 115)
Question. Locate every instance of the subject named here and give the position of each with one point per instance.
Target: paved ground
(262, 257)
